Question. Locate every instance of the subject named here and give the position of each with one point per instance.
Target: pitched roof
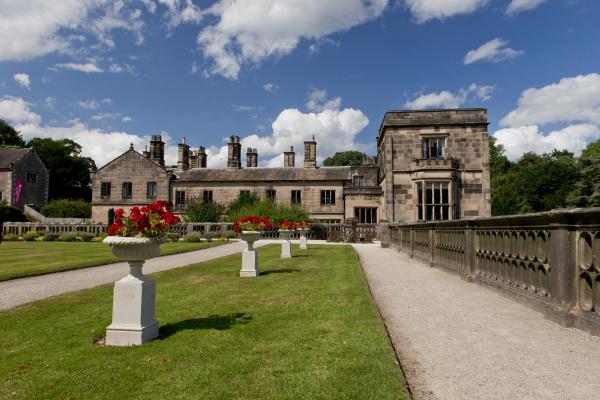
(265, 174)
(10, 155)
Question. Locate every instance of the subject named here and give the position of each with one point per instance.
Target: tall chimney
(183, 156)
(289, 158)
(146, 153)
(201, 157)
(310, 153)
(157, 150)
(234, 154)
(251, 158)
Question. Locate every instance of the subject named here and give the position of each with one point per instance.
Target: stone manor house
(24, 178)
(431, 165)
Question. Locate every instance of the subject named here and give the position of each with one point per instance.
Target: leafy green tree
(9, 136)
(344, 158)
(197, 210)
(69, 170)
(592, 150)
(250, 204)
(586, 191)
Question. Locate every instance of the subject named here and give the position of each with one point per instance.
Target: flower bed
(252, 224)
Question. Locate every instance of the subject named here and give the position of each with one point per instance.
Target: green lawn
(306, 329)
(20, 259)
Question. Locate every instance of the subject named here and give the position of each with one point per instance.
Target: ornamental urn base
(286, 245)
(303, 240)
(249, 255)
(134, 296)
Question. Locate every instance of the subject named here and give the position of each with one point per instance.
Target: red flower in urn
(286, 226)
(152, 220)
(252, 223)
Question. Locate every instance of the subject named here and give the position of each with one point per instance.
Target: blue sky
(107, 73)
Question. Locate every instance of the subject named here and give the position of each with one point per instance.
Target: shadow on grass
(218, 322)
(280, 271)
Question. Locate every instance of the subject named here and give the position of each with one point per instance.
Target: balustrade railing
(550, 261)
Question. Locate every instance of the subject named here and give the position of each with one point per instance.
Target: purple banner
(18, 190)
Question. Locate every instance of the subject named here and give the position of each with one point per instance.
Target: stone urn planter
(286, 245)
(133, 321)
(249, 255)
(303, 240)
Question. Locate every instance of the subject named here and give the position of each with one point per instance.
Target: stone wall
(6, 186)
(35, 193)
(129, 167)
(549, 261)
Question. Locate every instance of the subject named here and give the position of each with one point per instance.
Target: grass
(306, 329)
(21, 259)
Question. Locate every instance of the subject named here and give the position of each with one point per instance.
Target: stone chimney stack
(146, 153)
(193, 158)
(234, 154)
(201, 157)
(157, 150)
(289, 158)
(310, 153)
(183, 156)
(251, 158)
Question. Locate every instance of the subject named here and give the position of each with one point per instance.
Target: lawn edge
(34, 274)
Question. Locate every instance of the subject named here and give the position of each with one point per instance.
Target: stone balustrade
(549, 261)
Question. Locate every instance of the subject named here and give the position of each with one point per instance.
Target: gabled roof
(132, 150)
(265, 174)
(10, 155)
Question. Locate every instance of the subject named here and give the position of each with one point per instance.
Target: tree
(592, 150)
(344, 158)
(586, 191)
(9, 136)
(69, 171)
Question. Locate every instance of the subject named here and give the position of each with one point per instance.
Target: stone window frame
(104, 193)
(271, 194)
(127, 190)
(437, 136)
(179, 197)
(328, 197)
(365, 215)
(358, 178)
(207, 196)
(31, 177)
(151, 194)
(447, 210)
(296, 196)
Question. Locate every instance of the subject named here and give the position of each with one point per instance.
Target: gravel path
(458, 340)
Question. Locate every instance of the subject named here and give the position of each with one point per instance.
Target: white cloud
(516, 6)
(493, 51)
(94, 104)
(88, 68)
(446, 99)
(102, 146)
(23, 80)
(32, 28)
(522, 139)
(425, 10)
(335, 129)
(249, 31)
(269, 87)
(103, 116)
(318, 101)
(179, 12)
(126, 119)
(572, 99)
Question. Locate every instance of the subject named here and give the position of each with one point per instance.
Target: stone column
(250, 256)
(303, 240)
(562, 284)
(133, 321)
(286, 245)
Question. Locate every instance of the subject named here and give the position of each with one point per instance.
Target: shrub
(209, 236)
(244, 200)
(10, 214)
(51, 237)
(228, 235)
(30, 236)
(66, 208)
(68, 237)
(193, 238)
(10, 237)
(197, 210)
(266, 208)
(86, 236)
(173, 237)
(103, 235)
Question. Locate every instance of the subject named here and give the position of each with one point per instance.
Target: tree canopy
(9, 136)
(69, 170)
(344, 158)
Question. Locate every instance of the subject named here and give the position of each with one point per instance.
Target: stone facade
(131, 167)
(419, 149)
(23, 168)
(454, 173)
